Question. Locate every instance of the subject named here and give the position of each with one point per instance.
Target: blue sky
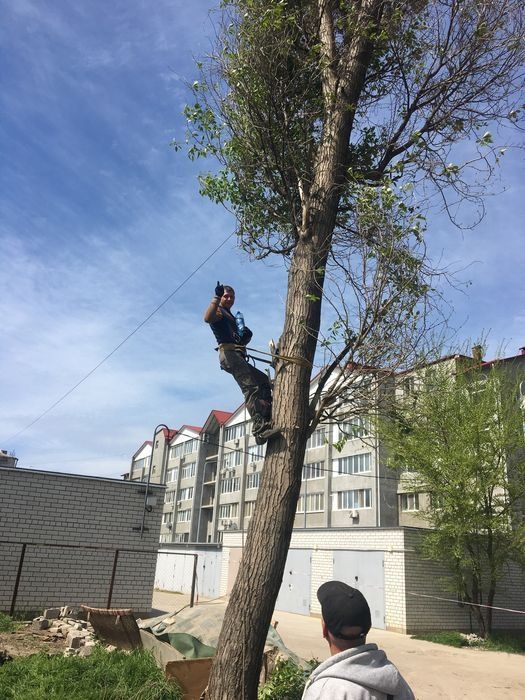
(101, 220)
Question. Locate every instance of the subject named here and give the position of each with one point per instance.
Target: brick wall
(413, 587)
(62, 509)
(428, 578)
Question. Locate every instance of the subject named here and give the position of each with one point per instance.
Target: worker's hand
(219, 290)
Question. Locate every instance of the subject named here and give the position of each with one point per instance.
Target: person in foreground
(232, 340)
(356, 670)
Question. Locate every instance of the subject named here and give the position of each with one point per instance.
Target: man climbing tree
(334, 123)
(233, 337)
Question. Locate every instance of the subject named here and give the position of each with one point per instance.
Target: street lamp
(145, 509)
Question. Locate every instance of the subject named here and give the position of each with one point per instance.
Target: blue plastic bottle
(239, 320)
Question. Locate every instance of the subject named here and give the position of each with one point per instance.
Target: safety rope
(303, 362)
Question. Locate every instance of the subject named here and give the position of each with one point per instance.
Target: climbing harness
(274, 355)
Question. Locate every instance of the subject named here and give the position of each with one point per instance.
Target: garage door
(294, 595)
(365, 571)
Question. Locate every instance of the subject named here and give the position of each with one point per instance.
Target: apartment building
(411, 504)
(212, 475)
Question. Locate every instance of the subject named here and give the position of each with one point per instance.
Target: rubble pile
(69, 624)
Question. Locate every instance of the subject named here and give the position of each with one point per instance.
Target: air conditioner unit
(179, 503)
(169, 526)
(354, 514)
(182, 459)
(237, 441)
(253, 465)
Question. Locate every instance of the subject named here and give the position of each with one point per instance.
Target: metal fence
(116, 554)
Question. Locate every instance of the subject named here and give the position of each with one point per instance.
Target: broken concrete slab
(40, 623)
(74, 640)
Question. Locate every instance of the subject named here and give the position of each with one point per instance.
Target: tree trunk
(236, 666)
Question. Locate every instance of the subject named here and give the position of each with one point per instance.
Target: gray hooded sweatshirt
(361, 673)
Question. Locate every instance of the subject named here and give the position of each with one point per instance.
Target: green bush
(102, 676)
(286, 682)
(7, 624)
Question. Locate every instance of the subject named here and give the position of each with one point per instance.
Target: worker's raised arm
(213, 312)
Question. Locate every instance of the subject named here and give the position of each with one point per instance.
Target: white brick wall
(407, 578)
(61, 509)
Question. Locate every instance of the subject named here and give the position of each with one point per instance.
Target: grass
(7, 624)
(102, 676)
(511, 644)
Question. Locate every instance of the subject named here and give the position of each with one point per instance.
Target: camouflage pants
(253, 383)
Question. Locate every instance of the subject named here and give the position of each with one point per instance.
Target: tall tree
(461, 436)
(333, 122)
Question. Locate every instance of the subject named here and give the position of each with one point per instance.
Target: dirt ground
(27, 641)
(434, 671)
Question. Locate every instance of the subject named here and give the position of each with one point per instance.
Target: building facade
(212, 473)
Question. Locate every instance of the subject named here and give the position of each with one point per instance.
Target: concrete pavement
(434, 671)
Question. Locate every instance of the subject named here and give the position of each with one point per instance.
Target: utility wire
(130, 335)
(254, 457)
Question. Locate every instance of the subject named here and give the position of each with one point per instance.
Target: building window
(184, 448)
(167, 518)
(140, 464)
(181, 537)
(187, 471)
(230, 485)
(252, 480)
(256, 452)
(357, 427)
(313, 470)
(409, 501)
(356, 498)
(249, 507)
(184, 516)
(169, 497)
(231, 458)
(171, 476)
(165, 538)
(314, 503)
(355, 464)
(317, 438)
(228, 510)
(408, 386)
(186, 494)
(232, 432)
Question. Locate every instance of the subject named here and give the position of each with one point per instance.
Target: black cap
(344, 606)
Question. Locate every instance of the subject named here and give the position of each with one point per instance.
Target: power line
(130, 335)
(323, 469)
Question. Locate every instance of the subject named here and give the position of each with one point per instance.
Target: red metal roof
(496, 360)
(168, 434)
(195, 428)
(222, 416)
